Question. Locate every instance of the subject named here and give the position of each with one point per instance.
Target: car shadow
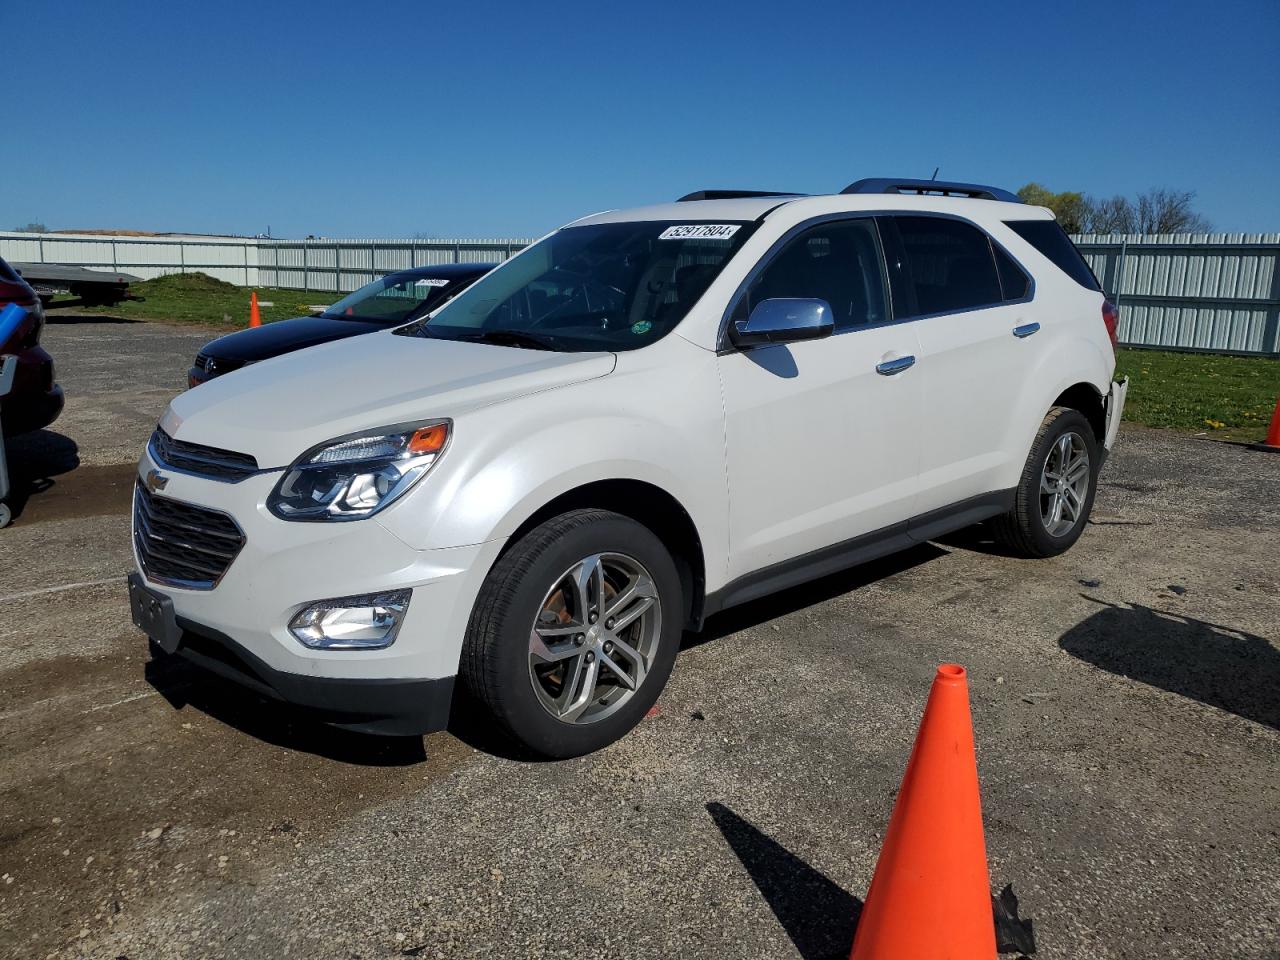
(183, 685)
(1217, 665)
(34, 460)
(817, 913)
(977, 538)
(470, 723)
(54, 318)
(780, 604)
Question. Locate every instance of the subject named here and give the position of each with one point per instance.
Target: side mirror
(783, 320)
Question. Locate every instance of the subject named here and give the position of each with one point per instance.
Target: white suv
(646, 417)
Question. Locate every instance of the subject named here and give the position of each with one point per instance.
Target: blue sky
(494, 119)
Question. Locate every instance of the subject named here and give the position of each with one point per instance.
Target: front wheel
(1055, 494)
(574, 632)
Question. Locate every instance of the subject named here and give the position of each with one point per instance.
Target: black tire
(495, 654)
(1022, 529)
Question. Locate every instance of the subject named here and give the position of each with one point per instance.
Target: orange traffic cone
(255, 318)
(1272, 443)
(931, 894)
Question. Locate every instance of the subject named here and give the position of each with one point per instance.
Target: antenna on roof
(935, 173)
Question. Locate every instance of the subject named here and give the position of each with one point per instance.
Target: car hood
(273, 339)
(279, 408)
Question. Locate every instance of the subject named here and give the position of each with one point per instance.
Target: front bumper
(386, 706)
(239, 628)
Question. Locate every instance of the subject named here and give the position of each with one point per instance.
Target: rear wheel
(1055, 494)
(574, 632)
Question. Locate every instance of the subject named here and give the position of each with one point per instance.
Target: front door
(822, 435)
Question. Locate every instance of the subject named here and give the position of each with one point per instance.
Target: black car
(396, 299)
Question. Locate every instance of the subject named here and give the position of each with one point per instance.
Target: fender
(501, 469)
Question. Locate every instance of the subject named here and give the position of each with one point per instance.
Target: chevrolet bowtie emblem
(156, 480)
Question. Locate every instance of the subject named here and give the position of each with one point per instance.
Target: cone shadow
(816, 913)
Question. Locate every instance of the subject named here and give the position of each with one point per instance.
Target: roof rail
(975, 191)
(734, 194)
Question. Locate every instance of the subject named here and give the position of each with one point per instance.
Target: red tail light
(1111, 317)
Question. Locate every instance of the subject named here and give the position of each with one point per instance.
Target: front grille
(211, 462)
(182, 544)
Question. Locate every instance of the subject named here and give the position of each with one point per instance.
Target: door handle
(1025, 330)
(888, 368)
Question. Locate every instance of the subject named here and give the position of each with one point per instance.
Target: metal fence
(333, 266)
(1217, 293)
(342, 265)
(232, 259)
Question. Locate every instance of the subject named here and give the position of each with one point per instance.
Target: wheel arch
(652, 507)
(1086, 398)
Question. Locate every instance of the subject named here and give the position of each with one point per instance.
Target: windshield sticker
(641, 327)
(700, 231)
(431, 282)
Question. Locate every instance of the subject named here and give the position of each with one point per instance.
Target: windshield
(394, 299)
(609, 286)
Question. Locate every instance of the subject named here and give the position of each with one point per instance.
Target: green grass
(199, 298)
(1230, 398)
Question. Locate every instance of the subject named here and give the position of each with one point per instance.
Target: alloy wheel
(1064, 484)
(594, 638)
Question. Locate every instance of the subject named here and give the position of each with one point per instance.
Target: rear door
(969, 300)
(821, 447)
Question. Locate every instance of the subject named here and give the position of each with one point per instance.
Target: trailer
(94, 288)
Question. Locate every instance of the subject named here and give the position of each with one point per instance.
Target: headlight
(354, 477)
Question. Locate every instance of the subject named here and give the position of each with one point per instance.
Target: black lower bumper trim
(28, 412)
(391, 707)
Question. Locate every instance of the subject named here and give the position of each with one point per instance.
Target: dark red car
(36, 399)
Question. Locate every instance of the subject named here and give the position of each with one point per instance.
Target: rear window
(1052, 241)
(8, 274)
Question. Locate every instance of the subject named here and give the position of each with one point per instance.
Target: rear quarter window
(1014, 282)
(1052, 241)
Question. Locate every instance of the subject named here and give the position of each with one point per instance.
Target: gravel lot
(1124, 697)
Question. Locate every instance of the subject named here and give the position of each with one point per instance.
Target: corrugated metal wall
(1211, 292)
(1208, 292)
(339, 266)
(227, 258)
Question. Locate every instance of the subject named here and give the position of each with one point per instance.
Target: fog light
(366, 622)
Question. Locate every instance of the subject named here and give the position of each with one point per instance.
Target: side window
(1014, 282)
(838, 262)
(947, 265)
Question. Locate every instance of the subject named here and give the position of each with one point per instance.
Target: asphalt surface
(1126, 702)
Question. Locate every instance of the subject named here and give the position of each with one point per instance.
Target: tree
(32, 228)
(1160, 210)
(1169, 211)
(1069, 208)
(1115, 215)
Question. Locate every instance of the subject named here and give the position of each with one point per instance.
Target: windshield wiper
(514, 338)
